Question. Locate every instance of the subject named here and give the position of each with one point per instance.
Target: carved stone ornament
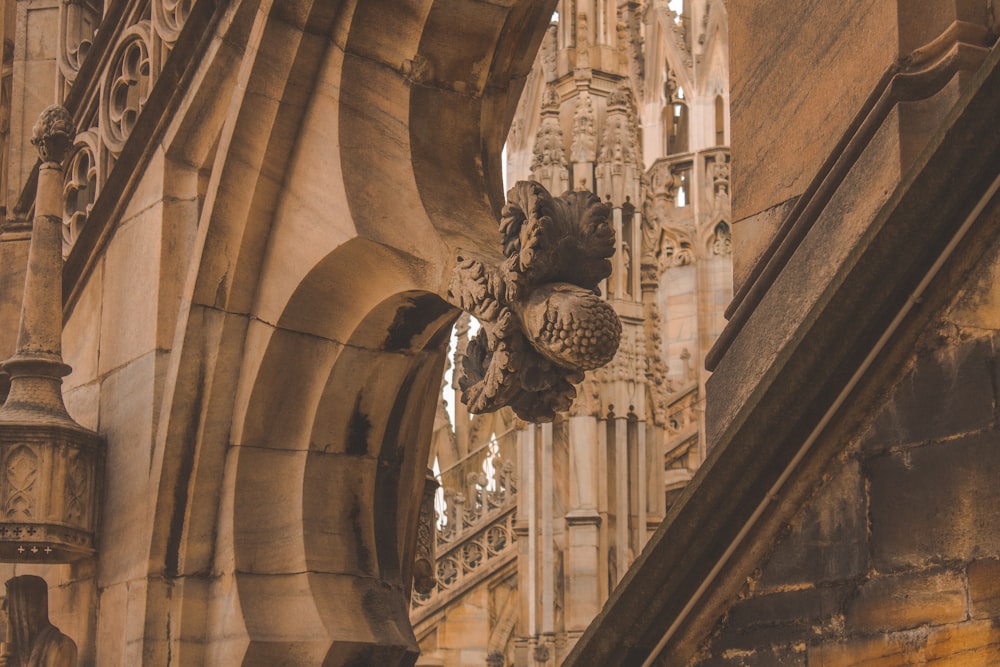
(544, 322)
(584, 131)
(424, 580)
(53, 134)
(548, 151)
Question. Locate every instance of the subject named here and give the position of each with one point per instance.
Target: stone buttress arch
(300, 393)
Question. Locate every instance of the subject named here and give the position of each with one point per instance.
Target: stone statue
(544, 322)
(33, 641)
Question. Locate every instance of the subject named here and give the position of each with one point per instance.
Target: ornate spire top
(53, 133)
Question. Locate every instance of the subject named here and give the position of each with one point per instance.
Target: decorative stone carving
(718, 172)
(423, 565)
(548, 163)
(722, 243)
(677, 248)
(126, 86)
(588, 399)
(619, 161)
(659, 386)
(52, 134)
(79, 187)
(630, 40)
(582, 42)
(543, 321)
(169, 17)
(33, 640)
(549, 53)
(584, 146)
(78, 21)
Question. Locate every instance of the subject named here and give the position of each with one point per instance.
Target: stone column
(583, 591)
(51, 514)
(36, 369)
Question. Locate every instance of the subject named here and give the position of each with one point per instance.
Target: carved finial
(53, 133)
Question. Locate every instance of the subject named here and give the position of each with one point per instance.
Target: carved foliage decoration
(544, 323)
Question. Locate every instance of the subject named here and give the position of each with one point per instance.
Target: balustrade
(476, 505)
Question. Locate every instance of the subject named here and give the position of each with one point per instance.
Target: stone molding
(960, 48)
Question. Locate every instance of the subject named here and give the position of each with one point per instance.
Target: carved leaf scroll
(544, 322)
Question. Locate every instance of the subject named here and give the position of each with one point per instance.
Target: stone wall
(894, 560)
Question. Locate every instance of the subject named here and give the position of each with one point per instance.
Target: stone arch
(329, 219)
(329, 462)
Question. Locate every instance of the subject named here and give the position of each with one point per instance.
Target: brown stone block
(906, 601)
(984, 588)
(752, 235)
(827, 541)
(936, 503)
(761, 658)
(947, 392)
(777, 619)
(885, 651)
(965, 645)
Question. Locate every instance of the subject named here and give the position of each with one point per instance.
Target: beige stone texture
(129, 303)
(793, 77)
(81, 338)
(752, 235)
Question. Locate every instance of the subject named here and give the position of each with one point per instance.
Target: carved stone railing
(110, 56)
(475, 528)
(469, 560)
(682, 411)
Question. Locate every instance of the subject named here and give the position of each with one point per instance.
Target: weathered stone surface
(984, 588)
(762, 657)
(970, 644)
(802, 54)
(752, 234)
(956, 379)
(900, 602)
(828, 540)
(935, 503)
(780, 619)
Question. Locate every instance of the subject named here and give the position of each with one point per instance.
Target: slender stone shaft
(37, 367)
